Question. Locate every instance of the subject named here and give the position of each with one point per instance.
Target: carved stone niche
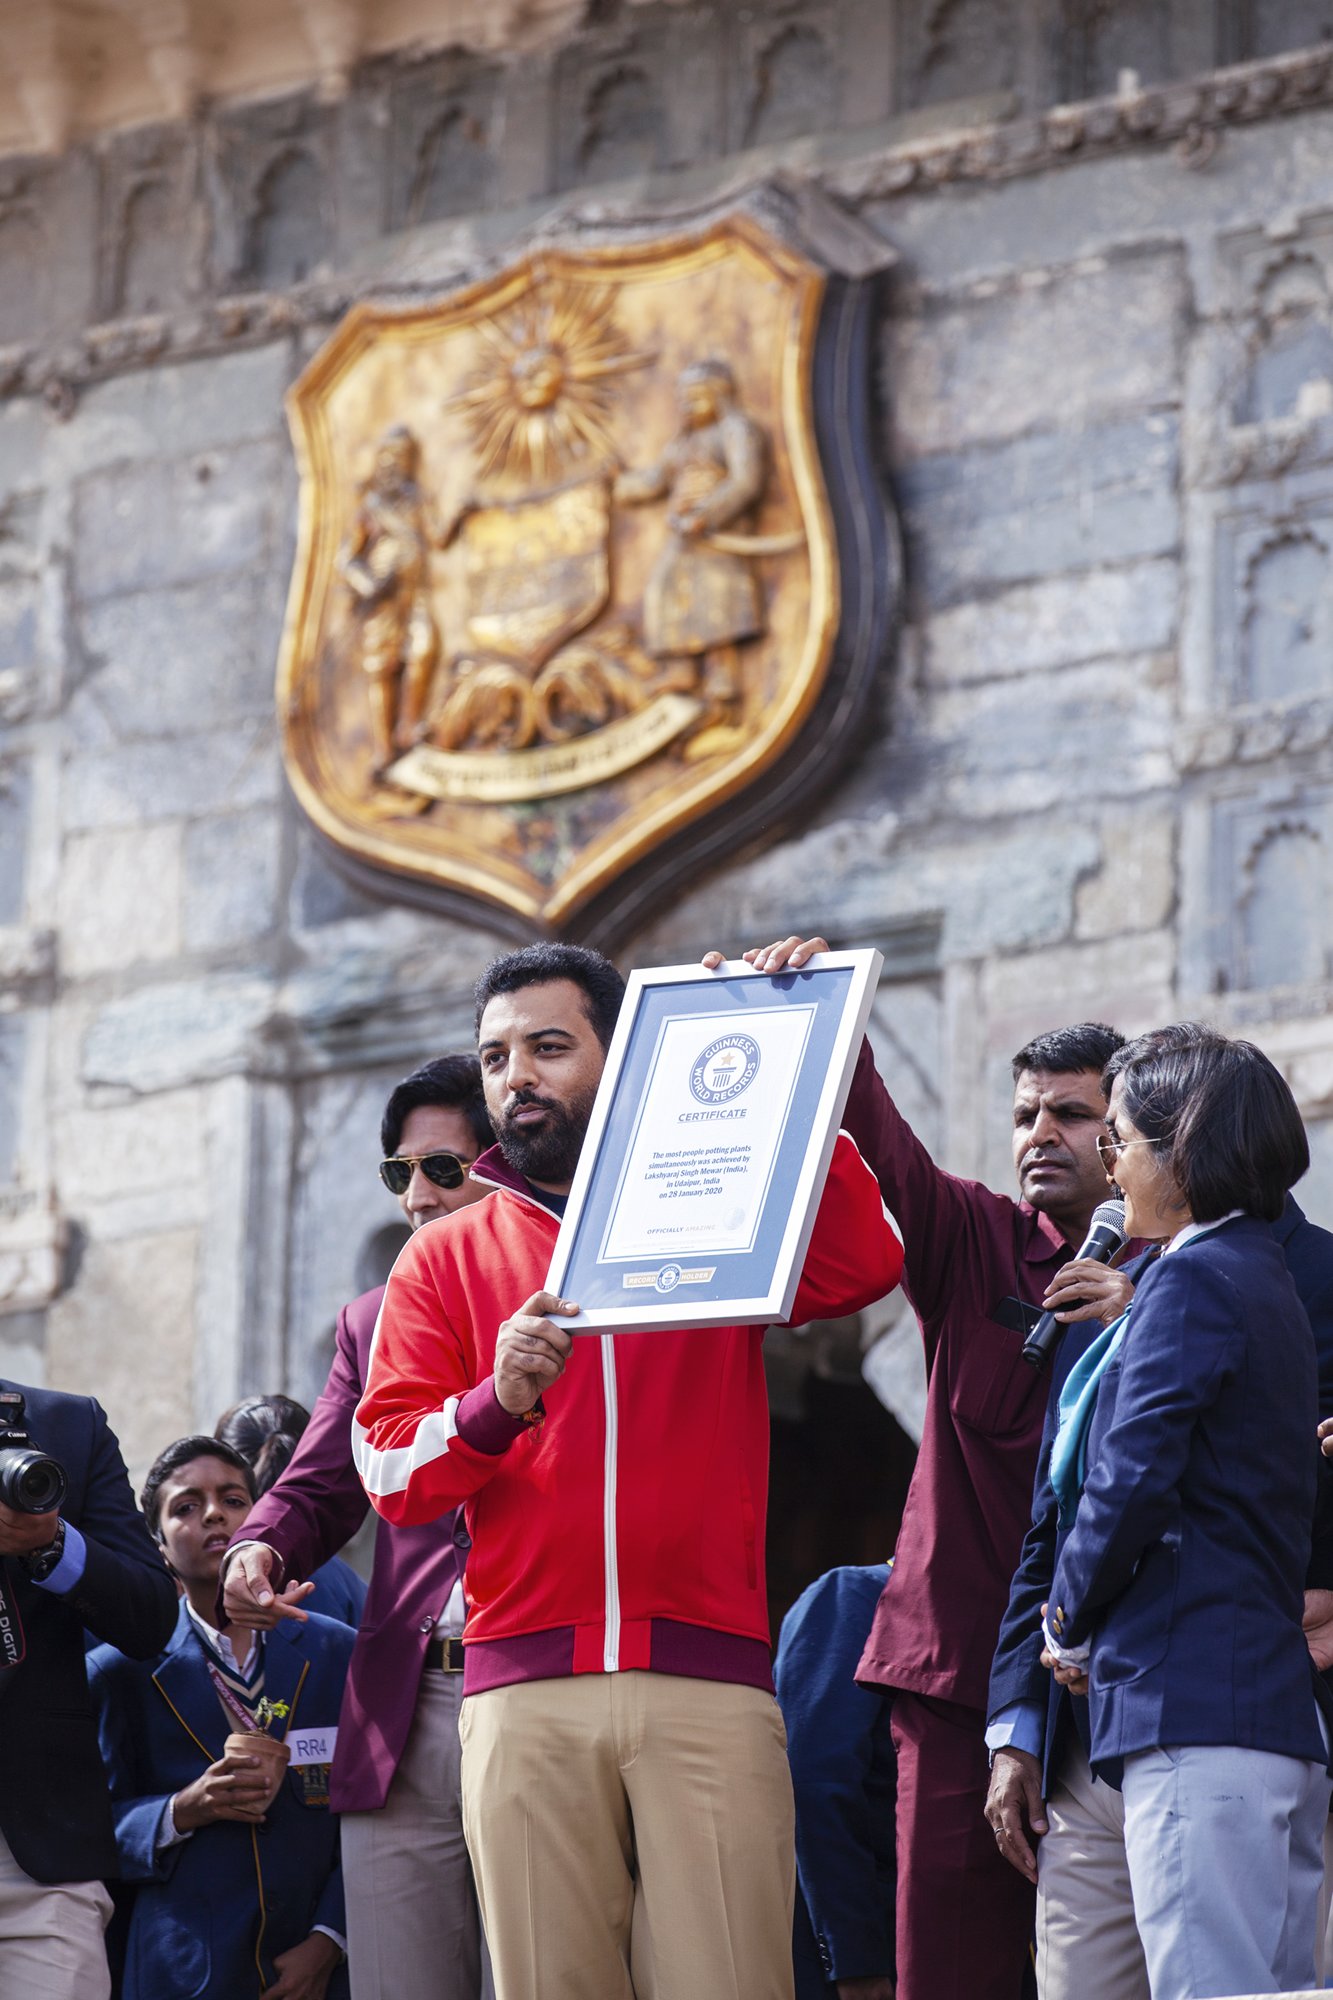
(25, 258)
(784, 73)
(442, 135)
(1269, 890)
(630, 101)
(958, 48)
(149, 252)
(273, 182)
(1273, 596)
(1270, 350)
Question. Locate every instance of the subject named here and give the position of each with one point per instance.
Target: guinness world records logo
(724, 1069)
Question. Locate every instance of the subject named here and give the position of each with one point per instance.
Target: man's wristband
(45, 1562)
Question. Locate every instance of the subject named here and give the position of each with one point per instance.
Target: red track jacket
(627, 1529)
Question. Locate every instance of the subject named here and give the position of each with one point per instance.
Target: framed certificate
(709, 1144)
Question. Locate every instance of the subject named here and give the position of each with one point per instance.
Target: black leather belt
(446, 1655)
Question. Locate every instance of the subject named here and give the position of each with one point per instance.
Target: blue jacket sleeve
(842, 1772)
(1184, 1338)
(1017, 1674)
(124, 1593)
(137, 1816)
(331, 1910)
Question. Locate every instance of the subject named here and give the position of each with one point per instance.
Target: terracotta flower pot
(274, 1757)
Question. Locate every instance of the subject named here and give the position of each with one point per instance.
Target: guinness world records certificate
(709, 1143)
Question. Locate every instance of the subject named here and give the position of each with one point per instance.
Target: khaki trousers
(1087, 1935)
(632, 1838)
(413, 1932)
(51, 1937)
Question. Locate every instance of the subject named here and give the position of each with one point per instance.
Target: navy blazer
(1017, 1674)
(844, 1775)
(1187, 1559)
(211, 1913)
(54, 1809)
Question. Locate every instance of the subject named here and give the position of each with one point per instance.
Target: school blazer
(1186, 1563)
(211, 1913)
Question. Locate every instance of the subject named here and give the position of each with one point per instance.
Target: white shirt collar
(1193, 1229)
(220, 1643)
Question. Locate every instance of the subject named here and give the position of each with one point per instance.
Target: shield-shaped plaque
(593, 570)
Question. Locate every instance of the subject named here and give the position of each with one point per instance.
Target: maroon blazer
(970, 1501)
(317, 1504)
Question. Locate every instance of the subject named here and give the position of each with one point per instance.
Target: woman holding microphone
(1185, 1460)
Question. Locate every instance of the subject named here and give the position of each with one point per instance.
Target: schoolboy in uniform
(234, 1898)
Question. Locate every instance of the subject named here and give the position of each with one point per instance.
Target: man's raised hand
(248, 1596)
(789, 952)
(531, 1352)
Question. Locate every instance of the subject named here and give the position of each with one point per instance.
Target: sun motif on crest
(541, 396)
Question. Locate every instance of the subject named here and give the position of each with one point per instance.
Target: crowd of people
(1073, 1732)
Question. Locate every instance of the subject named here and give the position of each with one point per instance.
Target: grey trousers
(413, 1930)
(51, 1938)
(1225, 1851)
(1087, 1935)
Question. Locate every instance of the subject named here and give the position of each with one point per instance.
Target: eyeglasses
(1109, 1149)
(445, 1169)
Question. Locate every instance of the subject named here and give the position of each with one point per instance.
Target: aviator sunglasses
(445, 1169)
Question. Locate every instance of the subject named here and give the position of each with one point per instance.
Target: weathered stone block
(176, 661)
(189, 407)
(128, 1328)
(998, 743)
(1101, 614)
(140, 527)
(110, 1151)
(232, 867)
(176, 1034)
(1135, 887)
(15, 802)
(1058, 350)
(173, 778)
(1039, 505)
(120, 898)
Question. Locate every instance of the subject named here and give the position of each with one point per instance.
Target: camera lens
(30, 1482)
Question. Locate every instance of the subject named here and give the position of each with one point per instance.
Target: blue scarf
(1078, 1398)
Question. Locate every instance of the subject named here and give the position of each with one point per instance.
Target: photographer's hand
(233, 1788)
(26, 1534)
(248, 1596)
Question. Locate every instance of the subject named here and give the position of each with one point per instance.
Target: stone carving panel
(960, 48)
(441, 128)
(1273, 595)
(273, 176)
(1267, 386)
(1270, 890)
(23, 274)
(148, 256)
(788, 74)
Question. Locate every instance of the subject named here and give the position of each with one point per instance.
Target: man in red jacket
(411, 1908)
(964, 1916)
(625, 1789)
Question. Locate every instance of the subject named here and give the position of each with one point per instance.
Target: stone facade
(1102, 777)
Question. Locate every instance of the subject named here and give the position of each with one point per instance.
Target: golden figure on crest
(385, 564)
(702, 598)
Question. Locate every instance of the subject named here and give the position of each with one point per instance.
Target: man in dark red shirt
(964, 1916)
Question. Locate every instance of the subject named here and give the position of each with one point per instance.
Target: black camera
(30, 1482)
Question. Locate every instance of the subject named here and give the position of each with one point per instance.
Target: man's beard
(548, 1152)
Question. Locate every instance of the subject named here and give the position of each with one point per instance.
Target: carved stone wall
(1101, 781)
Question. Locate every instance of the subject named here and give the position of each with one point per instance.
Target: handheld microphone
(1106, 1232)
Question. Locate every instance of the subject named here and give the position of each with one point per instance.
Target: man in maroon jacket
(964, 1919)
(411, 1908)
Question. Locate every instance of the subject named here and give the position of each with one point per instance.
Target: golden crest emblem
(570, 576)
